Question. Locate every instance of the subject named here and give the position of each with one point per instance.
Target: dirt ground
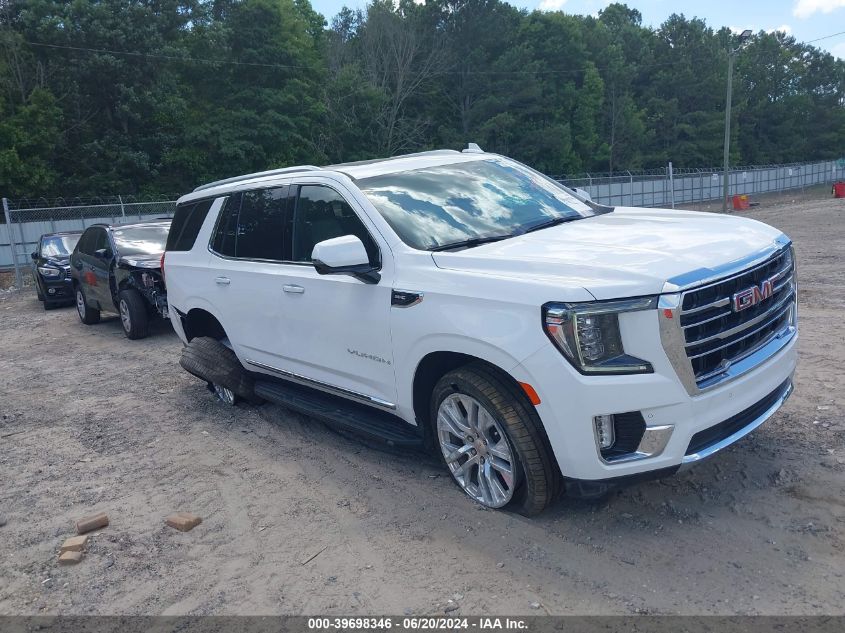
(297, 519)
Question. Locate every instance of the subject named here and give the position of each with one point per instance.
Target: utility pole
(731, 56)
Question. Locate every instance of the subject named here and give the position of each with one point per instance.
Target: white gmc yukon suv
(464, 302)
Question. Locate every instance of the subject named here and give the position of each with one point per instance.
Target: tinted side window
(186, 224)
(225, 235)
(321, 214)
(100, 240)
(86, 242)
(261, 224)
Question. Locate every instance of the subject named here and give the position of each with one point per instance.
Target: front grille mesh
(715, 335)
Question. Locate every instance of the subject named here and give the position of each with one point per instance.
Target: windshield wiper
(469, 243)
(552, 222)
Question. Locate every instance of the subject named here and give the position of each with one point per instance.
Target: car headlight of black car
(48, 272)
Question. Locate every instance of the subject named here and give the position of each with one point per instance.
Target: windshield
(433, 207)
(59, 245)
(141, 240)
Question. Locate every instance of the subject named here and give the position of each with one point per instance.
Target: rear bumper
(692, 427)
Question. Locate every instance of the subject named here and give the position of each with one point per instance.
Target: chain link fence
(24, 221)
(668, 187)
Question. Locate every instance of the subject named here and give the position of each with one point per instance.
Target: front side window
(99, 240)
(322, 214)
(86, 242)
(433, 207)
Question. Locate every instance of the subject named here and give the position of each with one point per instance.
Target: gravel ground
(297, 519)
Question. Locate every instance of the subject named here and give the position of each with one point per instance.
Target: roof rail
(259, 174)
(373, 161)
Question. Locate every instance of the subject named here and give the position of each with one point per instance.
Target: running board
(341, 413)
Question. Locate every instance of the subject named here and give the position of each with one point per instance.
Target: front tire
(492, 441)
(133, 314)
(87, 314)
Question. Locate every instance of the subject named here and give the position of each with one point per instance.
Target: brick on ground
(183, 521)
(93, 522)
(70, 558)
(74, 543)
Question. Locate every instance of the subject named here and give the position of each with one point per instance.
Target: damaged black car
(117, 268)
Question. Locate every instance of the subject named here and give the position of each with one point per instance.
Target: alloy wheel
(226, 395)
(125, 319)
(476, 450)
(80, 304)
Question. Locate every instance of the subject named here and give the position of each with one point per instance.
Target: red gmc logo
(753, 295)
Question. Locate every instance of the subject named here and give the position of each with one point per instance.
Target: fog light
(604, 430)
(51, 291)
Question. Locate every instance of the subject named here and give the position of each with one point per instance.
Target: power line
(166, 57)
(199, 60)
(819, 39)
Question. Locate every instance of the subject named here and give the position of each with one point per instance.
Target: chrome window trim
(324, 386)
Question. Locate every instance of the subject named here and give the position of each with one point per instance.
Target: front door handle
(297, 290)
(222, 281)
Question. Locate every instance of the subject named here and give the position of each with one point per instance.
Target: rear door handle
(297, 290)
(222, 281)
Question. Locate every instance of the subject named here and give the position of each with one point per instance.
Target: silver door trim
(324, 386)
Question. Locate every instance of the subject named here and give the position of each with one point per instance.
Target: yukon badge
(753, 295)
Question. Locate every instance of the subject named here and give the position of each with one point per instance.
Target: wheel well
(198, 322)
(433, 367)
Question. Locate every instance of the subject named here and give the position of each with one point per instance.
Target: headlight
(52, 273)
(588, 335)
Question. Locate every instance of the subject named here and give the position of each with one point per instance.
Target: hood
(626, 253)
(141, 261)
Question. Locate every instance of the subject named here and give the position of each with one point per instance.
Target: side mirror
(34, 256)
(103, 253)
(584, 194)
(344, 255)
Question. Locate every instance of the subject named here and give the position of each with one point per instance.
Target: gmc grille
(716, 335)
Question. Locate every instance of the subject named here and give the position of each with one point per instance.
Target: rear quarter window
(186, 225)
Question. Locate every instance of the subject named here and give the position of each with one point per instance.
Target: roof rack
(270, 172)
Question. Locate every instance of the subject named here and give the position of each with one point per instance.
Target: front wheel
(491, 440)
(133, 314)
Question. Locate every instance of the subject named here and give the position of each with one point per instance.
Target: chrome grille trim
(708, 344)
(739, 328)
(777, 316)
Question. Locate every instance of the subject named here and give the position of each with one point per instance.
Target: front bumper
(569, 401)
(57, 289)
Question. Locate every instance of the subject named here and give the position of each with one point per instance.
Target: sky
(804, 19)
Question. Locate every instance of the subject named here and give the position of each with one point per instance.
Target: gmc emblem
(753, 295)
